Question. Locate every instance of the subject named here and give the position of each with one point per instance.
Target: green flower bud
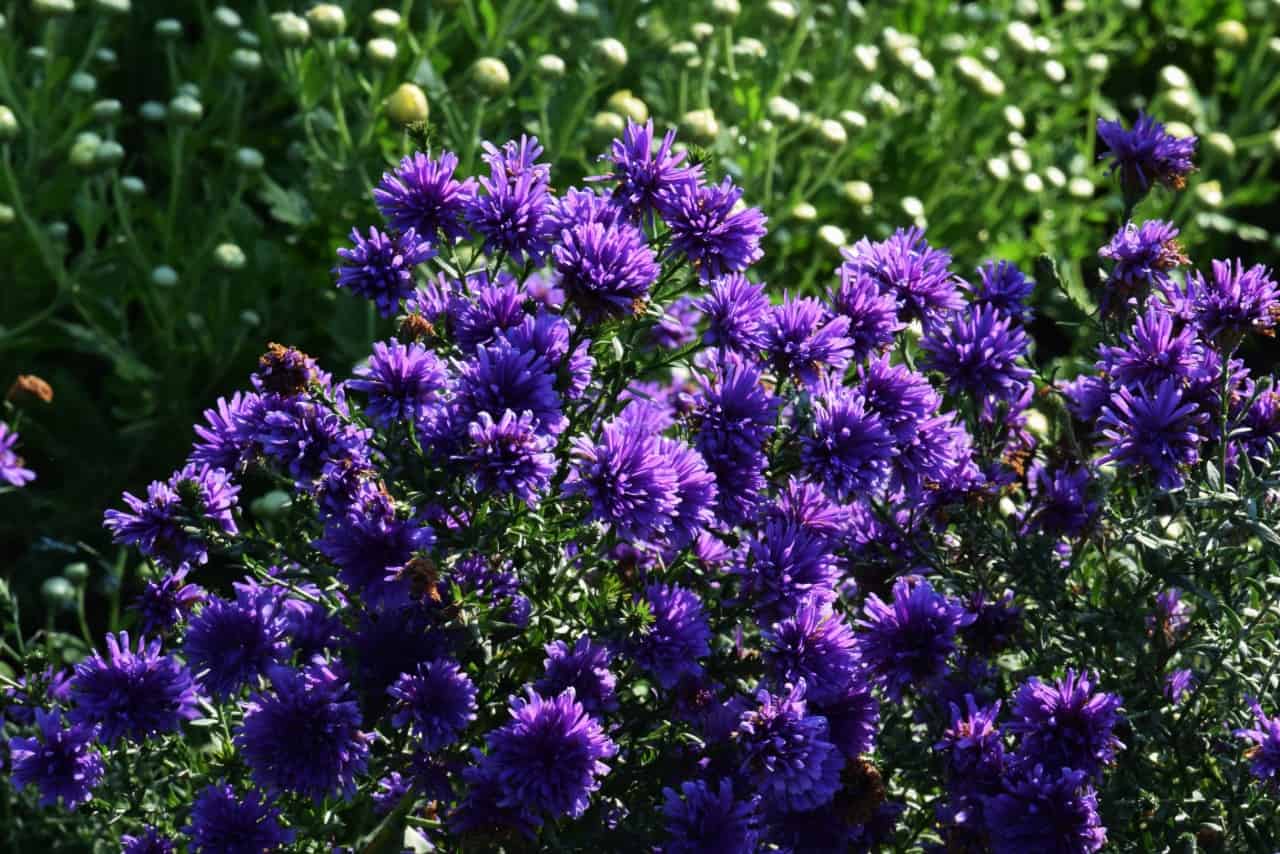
(701, 126)
(189, 89)
(782, 11)
(105, 56)
(611, 53)
(384, 20)
(164, 276)
(273, 505)
(84, 152)
(1032, 183)
(185, 110)
(112, 7)
(249, 39)
(132, 185)
(725, 11)
(77, 573)
(153, 111)
(408, 104)
(1231, 34)
(1275, 140)
(291, 29)
(853, 120)
(1174, 77)
(858, 192)
(168, 29)
(229, 256)
(58, 231)
(58, 592)
(250, 159)
(7, 215)
(1081, 188)
(246, 61)
(3, 22)
(832, 236)
(1179, 130)
(804, 212)
(82, 83)
(107, 110)
(1210, 192)
(227, 18)
(1221, 143)
(9, 127)
(491, 75)
(550, 66)
(629, 106)
(606, 125)
(381, 52)
(683, 50)
(109, 155)
(327, 20)
(53, 8)
(37, 54)
(749, 48)
(250, 318)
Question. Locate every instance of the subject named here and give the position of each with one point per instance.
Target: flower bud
(229, 256)
(750, 49)
(1210, 192)
(1056, 176)
(1174, 77)
(1184, 101)
(185, 110)
(381, 51)
(272, 505)
(804, 212)
(1275, 140)
(291, 29)
(1014, 117)
(105, 56)
(1098, 63)
(491, 75)
(1054, 70)
(549, 66)
(701, 125)
(250, 159)
(164, 276)
(858, 192)
(408, 104)
(784, 110)
(868, 56)
(853, 120)
(9, 127)
(1032, 183)
(168, 29)
(999, 168)
(912, 207)
(82, 83)
(57, 592)
(153, 111)
(1081, 188)
(1231, 34)
(58, 231)
(384, 20)
(832, 133)
(84, 152)
(1179, 130)
(1020, 160)
(53, 8)
(107, 110)
(782, 11)
(725, 11)
(701, 31)
(7, 214)
(109, 155)
(683, 50)
(628, 105)
(568, 8)
(77, 573)
(611, 53)
(606, 125)
(37, 54)
(1221, 143)
(132, 185)
(112, 7)
(833, 236)
(246, 61)
(327, 20)
(227, 18)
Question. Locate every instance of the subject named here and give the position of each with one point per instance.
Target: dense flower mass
(1147, 154)
(60, 761)
(132, 692)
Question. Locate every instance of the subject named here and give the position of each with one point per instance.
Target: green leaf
(287, 205)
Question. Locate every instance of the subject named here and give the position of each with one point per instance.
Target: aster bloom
(978, 352)
(299, 436)
(872, 312)
(401, 381)
(1060, 502)
(1005, 288)
(371, 543)
(510, 210)
(807, 505)
(786, 752)
(51, 688)
(421, 194)
(502, 376)
(380, 267)
(905, 265)
(1146, 154)
(642, 171)
(707, 228)
(163, 604)
(678, 326)
(220, 443)
(303, 735)
(853, 716)
(149, 841)
(1233, 301)
(229, 644)
(60, 761)
(1171, 617)
(850, 448)
(629, 484)
(1041, 810)
(584, 667)
(438, 699)
(1264, 755)
(1177, 684)
(583, 207)
(996, 621)
(161, 525)
(737, 311)
(738, 413)
(905, 643)
(132, 693)
(803, 340)
(1141, 257)
(549, 336)
(1066, 724)
(1153, 352)
(12, 470)
(974, 748)
(705, 820)
(605, 271)
(785, 566)
(695, 491)
(509, 456)
(671, 646)
(550, 757)
(1153, 430)
(901, 397)
(815, 645)
(489, 309)
(224, 823)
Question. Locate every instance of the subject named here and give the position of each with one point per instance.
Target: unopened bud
(1231, 34)
(611, 53)
(82, 83)
(164, 276)
(701, 125)
(550, 66)
(246, 61)
(291, 29)
(804, 212)
(112, 7)
(7, 215)
(227, 18)
(168, 29)
(833, 236)
(725, 11)
(832, 133)
(327, 20)
(58, 592)
(782, 11)
(132, 185)
(1210, 192)
(491, 75)
(1081, 188)
(701, 31)
(84, 152)
(53, 8)
(153, 111)
(381, 51)
(107, 110)
(9, 127)
(109, 155)
(229, 256)
(185, 110)
(408, 105)
(784, 110)
(1221, 143)
(607, 125)
(384, 20)
(628, 105)
(77, 573)
(858, 192)
(250, 159)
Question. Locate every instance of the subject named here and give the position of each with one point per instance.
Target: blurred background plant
(173, 188)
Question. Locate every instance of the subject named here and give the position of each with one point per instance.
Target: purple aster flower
(905, 644)
(695, 491)
(287, 372)
(392, 789)
(1141, 257)
(1171, 617)
(584, 667)
(149, 841)
(517, 157)
(996, 621)
(785, 566)
(804, 341)
(815, 645)
(643, 173)
(1146, 154)
(132, 693)
(220, 443)
(389, 642)
(486, 813)
(1153, 353)
(1177, 684)
(1153, 430)
(678, 326)
(549, 336)
(936, 462)
(786, 752)
(737, 311)
(807, 505)
(509, 456)
(549, 758)
(402, 381)
(303, 735)
(906, 266)
(1233, 301)
(371, 542)
(60, 761)
(223, 823)
(583, 207)
(300, 436)
(197, 496)
(490, 309)
(901, 397)
(438, 699)
(605, 271)
(1066, 724)
(853, 717)
(1060, 502)
(422, 195)
(11, 465)
(1262, 422)
(631, 486)
(511, 211)
(502, 376)
(229, 644)
(380, 267)
(678, 637)
(1045, 811)
(1264, 755)
(1005, 288)
(974, 747)
(165, 603)
(978, 352)
(36, 691)
(850, 448)
(703, 820)
(872, 313)
(738, 413)
(1085, 396)
(706, 229)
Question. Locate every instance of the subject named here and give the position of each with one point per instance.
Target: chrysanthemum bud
(1055, 71)
(77, 573)
(1179, 130)
(784, 110)
(858, 192)
(627, 105)
(227, 18)
(991, 84)
(9, 127)
(1174, 77)
(1055, 176)
(750, 48)
(112, 7)
(1020, 160)
(1231, 34)
(7, 215)
(832, 236)
(229, 256)
(104, 56)
(1080, 187)
(153, 111)
(53, 8)
(782, 11)
(606, 125)
(999, 168)
(683, 50)
(701, 125)
(804, 212)
(107, 110)
(1098, 63)
(246, 61)
(912, 207)
(384, 20)
(568, 8)
(109, 155)
(84, 151)
(832, 133)
(250, 159)
(1275, 140)
(1032, 183)
(133, 185)
(491, 75)
(701, 31)
(58, 231)
(853, 120)
(1210, 192)
(164, 276)
(291, 29)
(58, 593)
(185, 110)
(611, 53)
(408, 104)
(1014, 117)
(1221, 143)
(725, 11)
(327, 20)
(82, 83)
(1183, 101)
(168, 29)
(549, 66)
(381, 51)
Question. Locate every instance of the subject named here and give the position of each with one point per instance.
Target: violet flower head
(1066, 724)
(630, 485)
(1233, 301)
(1147, 154)
(380, 267)
(1061, 505)
(815, 645)
(223, 822)
(1154, 352)
(901, 397)
(784, 566)
(905, 643)
(1041, 810)
(642, 170)
(850, 447)
(695, 492)
(1141, 258)
(229, 644)
(583, 207)
(149, 841)
(605, 271)
(737, 311)
(197, 496)
(996, 622)
(438, 699)
(510, 211)
(423, 195)
(509, 456)
(402, 381)
(701, 820)
(584, 667)
(806, 504)
(550, 757)
(804, 341)
(12, 469)
(905, 265)
(978, 352)
(672, 645)
(1178, 684)
(1264, 755)
(61, 762)
(708, 230)
(1171, 618)
(678, 326)
(163, 604)
(489, 309)
(974, 746)
(220, 443)
(503, 376)
(132, 692)
(871, 311)
(853, 717)
(786, 752)
(1153, 430)
(1005, 288)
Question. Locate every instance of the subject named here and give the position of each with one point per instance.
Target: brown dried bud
(285, 370)
(30, 385)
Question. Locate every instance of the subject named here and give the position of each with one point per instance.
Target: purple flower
(1146, 154)
(853, 717)
(438, 699)
(1177, 684)
(850, 448)
(502, 376)
(1005, 288)
(548, 758)
(786, 752)
(61, 761)
(549, 336)
(388, 642)
(706, 229)
(785, 566)
(630, 485)
(196, 496)
(584, 667)
(165, 603)
(1264, 755)
(1171, 617)
(815, 645)
(1141, 257)
(605, 271)
(223, 823)
(1066, 724)
(491, 309)
(510, 457)
(803, 340)
(901, 397)
(402, 382)
(978, 352)
(1153, 430)
(11, 465)
(229, 644)
(1045, 811)
(300, 436)
(738, 413)
(51, 688)
(905, 644)
(1060, 502)
(220, 443)
(380, 267)
(906, 266)
(670, 647)
(974, 747)
(678, 325)
(371, 543)
(132, 693)
(737, 311)
(807, 505)
(1233, 301)
(872, 312)
(643, 173)
(1153, 353)
(422, 195)
(695, 491)
(583, 207)
(391, 790)
(287, 372)
(149, 841)
(511, 212)
(487, 811)
(703, 820)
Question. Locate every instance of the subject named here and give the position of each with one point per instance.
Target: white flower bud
(189, 89)
(1221, 143)
(550, 66)
(701, 125)
(991, 53)
(783, 110)
(1016, 140)
(568, 8)
(725, 11)
(164, 276)
(112, 7)
(327, 20)
(168, 29)
(1032, 183)
(84, 152)
(701, 31)
(291, 29)
(1055, 71)
(1174, 77)
(59, 231)
(109, 155)
(9, 127)
(1184, 101)
(186, 110)
(853, 120)
(250, 159)
(999, 168)
(611, 53)
(1210, 192)
(627, 105)
(384, 20)
(1081, 188)
(1073, 7)
(833, 236)
(246, 61)
(1056, 176)
(1231, 34)
(227, 18)
(248, 39)
(7, 214)
(82, 83)
(1275, 140)
(912, 207)
(867, 55)
(53, 8)
(229, 256)
(749, 48)
(1037, 423)
(132, 185)
(804, 212)
(782, 11)
(491, 75)
(408, 104)
(107, 110)
(683, 50)
(832, 133)
(1020, 160)
(153, 111)
(381, 51)
(970, 68)
(606, 125)
(1098, 63)
(858, 192)
(37, 54)
(1014, 117)
(991, 84)
(1179, 130)
(105, 56)
(1021, 36)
